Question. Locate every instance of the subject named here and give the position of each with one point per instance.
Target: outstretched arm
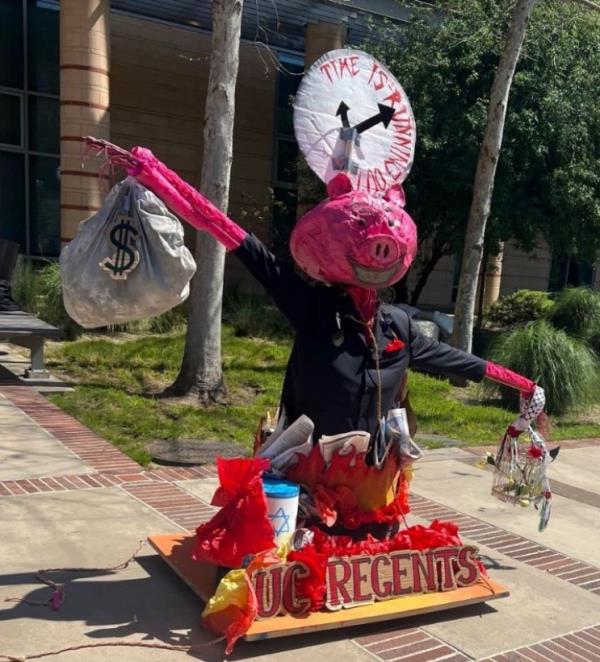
(533, 398)
(502, 375)
(183, 199)
(432, 355)
(290, 292)
(177, 194)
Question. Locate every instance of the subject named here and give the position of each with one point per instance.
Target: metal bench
(20, 328)
(28, 331)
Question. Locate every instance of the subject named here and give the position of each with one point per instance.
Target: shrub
(38, 290)
(50, 306)
(24, 285)
(577, 311)
(563, 366)
(168, 321)
(594, 342)
(251, 315)
(520, 307)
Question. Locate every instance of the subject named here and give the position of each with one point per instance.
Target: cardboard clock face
(351, 115)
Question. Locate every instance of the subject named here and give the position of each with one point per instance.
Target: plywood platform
(175, 549)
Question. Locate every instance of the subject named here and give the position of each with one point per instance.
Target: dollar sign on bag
(125, 259)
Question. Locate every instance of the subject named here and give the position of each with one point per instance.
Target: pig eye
(361, 222)
(391, 222)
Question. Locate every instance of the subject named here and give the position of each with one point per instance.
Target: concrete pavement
(68, 498)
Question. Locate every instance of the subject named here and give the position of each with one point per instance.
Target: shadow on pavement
(161, 608)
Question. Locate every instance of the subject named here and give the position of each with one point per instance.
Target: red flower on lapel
(394, 345)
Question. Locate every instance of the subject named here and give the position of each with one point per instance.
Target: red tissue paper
(242, 525)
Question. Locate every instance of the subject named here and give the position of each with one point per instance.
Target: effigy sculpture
(326, 493)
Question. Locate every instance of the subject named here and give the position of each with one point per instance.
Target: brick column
(322, 37)
(493, 278)
(84, 106)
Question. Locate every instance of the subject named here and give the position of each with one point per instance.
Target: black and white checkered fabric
(531, 408)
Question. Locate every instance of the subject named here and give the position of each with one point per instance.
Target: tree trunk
(483, 185)
(201, 371)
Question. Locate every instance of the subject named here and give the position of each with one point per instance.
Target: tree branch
(589, 4)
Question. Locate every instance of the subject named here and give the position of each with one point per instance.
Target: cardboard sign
(357, 580)
(351, 114)
(275, 589)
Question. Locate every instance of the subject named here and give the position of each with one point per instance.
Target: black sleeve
(438, 357)
(290, 293)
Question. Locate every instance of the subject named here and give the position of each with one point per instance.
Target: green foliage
(577, 311)
(520, 307)
(115, 380)
(252, 316)
(549, 172)
(594, 343)
(50, 301)
(24, 285)
(171, 320)
(38, 290)
(563, 366)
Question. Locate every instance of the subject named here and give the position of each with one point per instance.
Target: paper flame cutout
(350, 492)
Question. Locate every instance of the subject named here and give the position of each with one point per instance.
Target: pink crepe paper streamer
(184, 200)
(365, 301)
(502, 375)
(177, 194)
(56, 600)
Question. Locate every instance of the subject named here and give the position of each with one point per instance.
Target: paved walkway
(69, 498)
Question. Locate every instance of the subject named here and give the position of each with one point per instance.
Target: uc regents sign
(356, 580)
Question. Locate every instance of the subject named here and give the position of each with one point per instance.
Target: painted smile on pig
(372, 277)
(355, 239)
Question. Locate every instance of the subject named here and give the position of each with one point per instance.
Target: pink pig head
(355, 238)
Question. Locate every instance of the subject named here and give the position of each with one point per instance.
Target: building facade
(135, 72)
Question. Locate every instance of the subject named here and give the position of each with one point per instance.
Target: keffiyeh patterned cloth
(532, 407)
(520, 464)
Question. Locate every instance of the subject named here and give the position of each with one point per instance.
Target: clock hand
(343, 111)
(384, 116)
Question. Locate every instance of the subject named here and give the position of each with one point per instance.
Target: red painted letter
(267, 586)
(336, 586)
(469, 570)
(382, 592)
(358, 579)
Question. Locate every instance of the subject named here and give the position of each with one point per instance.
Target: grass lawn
(117, 379)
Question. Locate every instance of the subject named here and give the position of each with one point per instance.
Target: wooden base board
(175, 549)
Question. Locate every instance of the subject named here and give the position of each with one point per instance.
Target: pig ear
(396, 195)
(339, 185)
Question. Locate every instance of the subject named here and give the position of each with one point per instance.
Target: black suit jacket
(335, 384)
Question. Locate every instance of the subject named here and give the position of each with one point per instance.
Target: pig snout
(382, 251)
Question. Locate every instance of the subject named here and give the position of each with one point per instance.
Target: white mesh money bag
(127, 262)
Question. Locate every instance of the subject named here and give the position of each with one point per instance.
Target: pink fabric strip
(365, 301)
(498, 373)
(184, 200)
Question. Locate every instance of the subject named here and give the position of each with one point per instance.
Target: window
(44, 124)
(12, 197)
(287, 161)
(29, 125)
(566, 271)
(44, 190)
(11, 43)
(43, 52)
(11, 129)
(285, 182)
